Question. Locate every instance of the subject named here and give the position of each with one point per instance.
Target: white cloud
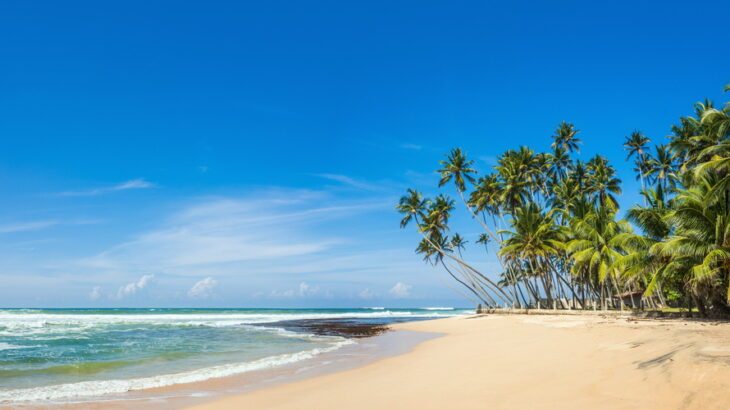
(203, 288)
(139, 183)
(132, 287)
(400, 290)
(303, 291)
(306, 290)
(286, 294)
(95, 293)
(366, 294)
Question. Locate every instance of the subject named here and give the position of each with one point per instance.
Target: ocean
(72, 354)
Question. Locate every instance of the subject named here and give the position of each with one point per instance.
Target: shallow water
(67, 354)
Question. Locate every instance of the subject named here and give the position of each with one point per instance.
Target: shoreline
(361, 352)
(517, 361)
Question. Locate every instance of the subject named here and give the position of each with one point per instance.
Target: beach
(527, 361)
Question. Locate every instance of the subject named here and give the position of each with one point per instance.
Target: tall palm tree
(457, 243)
(560, 163)
(662, 168)
(602, 182)
(635, 145)
(484, 240)
(701, 242)
(411, 206)
(432, 218)
(565, 137)
(592, 250)
(458, 168)
(534, 238)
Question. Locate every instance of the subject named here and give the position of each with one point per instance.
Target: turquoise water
(61, 354)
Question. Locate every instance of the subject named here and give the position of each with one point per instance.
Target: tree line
(560, 238)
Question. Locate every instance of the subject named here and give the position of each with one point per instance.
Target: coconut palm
(565, 137)
(534, 238)
(564, 239)
(701, 241)
(456, 167)
(662, 168)
(635, 145)
(602, 182)
(592, 250)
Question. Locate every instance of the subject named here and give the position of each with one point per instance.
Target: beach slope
(536, 362)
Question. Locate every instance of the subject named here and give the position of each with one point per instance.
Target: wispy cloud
(139, 183)
(203, 288)
(351, 182)
(27, 226)
(262, 227)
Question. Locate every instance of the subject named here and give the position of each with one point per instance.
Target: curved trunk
(462, 282)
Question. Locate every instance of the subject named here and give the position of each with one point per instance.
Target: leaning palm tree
(458, 168)
(431, 218)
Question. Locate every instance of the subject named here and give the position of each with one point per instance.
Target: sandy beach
(521, 361)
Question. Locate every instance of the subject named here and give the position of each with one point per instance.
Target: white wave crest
(76, 325)
(8, 346)
(103, 387)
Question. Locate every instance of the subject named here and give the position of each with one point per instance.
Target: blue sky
(250, 153)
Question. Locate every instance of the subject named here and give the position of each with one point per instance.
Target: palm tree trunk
(462, 282)
(464, 264)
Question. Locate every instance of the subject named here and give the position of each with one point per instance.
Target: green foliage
(556, 221)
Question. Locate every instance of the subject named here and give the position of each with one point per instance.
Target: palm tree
(458, 168)
(563, 231)
(484, 240)
(560, 163)
(534, 238)
(701, 242)
(642, 263)
(662, 168)
(565, 137)
(457, 243)
(602, 182)
(411, 206)
(593, 252)
(636, 146)
(432, 217)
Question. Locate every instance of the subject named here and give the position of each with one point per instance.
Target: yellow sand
(535, 362)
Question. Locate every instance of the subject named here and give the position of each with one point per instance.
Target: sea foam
(104, 387)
